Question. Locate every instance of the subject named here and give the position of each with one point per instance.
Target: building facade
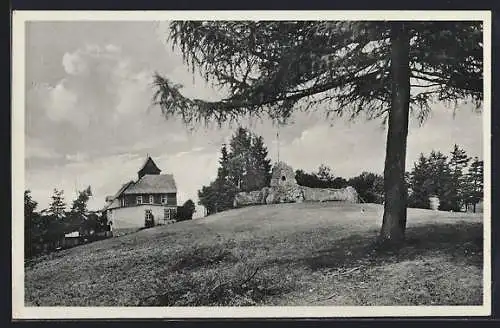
(150, 200)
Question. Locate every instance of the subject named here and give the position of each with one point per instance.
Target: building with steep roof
(151, 199)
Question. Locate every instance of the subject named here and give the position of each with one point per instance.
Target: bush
(186, 211)
(370, 187)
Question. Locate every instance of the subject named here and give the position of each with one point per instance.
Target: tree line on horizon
(44, 230)
(244, 166)
(456, 180)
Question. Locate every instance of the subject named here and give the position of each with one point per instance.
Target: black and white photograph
(251, 164)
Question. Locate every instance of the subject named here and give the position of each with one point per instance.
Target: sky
(89, 119)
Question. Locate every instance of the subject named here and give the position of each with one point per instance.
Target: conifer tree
(474, 183)
(30, 222)
(259, 172)
(421, 189)
(379, 68)
(458, 162)
(80, 203)
(57, 206)
(244, 167)
(430, 177)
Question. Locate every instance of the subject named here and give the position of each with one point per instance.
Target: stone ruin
(284, 189)
(282, 175)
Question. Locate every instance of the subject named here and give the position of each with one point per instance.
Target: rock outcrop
(347, 194)
(284, 189)
(251, 198)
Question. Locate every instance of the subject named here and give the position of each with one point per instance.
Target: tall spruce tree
(474, 183)
(30, 223)
(431, 176)
(240, 158)
(57, 206)
(29, 204)
(223, 170)
(458, 162)
(244, 167)
(219, 194)
(379, 68)
(259, 173)
(248, 166)
(439, 180)
(421, 189)
(80, 203)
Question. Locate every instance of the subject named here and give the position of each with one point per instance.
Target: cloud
(192, 170)
(36, 150)
(78, 157)
(103, 100)
(73, 63)
(61, 104)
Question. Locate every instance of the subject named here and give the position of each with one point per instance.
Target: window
(166, 214)
(151, 199)
(163, 199)
(139, 199)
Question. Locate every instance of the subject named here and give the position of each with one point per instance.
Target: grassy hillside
(287, 254)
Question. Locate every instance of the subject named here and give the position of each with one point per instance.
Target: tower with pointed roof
(149, 167)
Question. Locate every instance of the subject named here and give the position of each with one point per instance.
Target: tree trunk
(395, 191)
(474, 208)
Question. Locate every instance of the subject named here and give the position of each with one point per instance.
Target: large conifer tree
(474, 183)
(242, 167)
(57, 206)
(381, 69)
(458, 162)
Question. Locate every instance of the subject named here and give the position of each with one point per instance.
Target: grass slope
(287, 254)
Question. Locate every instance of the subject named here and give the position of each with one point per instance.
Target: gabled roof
(122, 188)
(110, 199)
(153, 184)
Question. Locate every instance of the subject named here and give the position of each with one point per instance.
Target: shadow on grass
(461, 243)
(217, 275)
(203, 257)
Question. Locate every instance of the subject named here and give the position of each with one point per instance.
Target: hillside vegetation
(286, 254)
